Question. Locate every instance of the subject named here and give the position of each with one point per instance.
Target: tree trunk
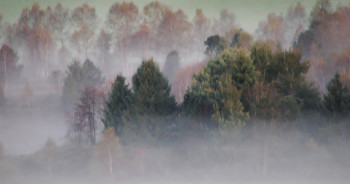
(49, 169)
(110, 160)
(5, 67)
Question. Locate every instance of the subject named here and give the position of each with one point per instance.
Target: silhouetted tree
(172, 65)
(9, 65)
(337, 100)
(152, 95)
(118, 105)
(86, 114)
(215, 44)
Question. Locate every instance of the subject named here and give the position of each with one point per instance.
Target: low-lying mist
(259, 155)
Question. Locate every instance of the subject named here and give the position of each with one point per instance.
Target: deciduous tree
(208, 96)
(86, 115)
(272, 30)
(122, 21)
(84, 20)
(60, 19)
(110, 146)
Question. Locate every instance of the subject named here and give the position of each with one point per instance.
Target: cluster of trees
(242, 83)
(284, 30)
(141, 109)
(78, 78)
(236, 89)
(325, 42)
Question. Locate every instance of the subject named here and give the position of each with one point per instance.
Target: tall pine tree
(153, 101)
(337, 100)
(118, 105)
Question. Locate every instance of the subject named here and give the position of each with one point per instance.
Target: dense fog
(150, 94)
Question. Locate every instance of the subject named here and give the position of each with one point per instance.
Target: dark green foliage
(172, 65)
(153, 102)
(309, 96)
(216, 90)
(215, 44)
(77, 79)
(337, 100)
(289, 107)
(118, 105)
(152, 91)
(285, 71)
(261, 55)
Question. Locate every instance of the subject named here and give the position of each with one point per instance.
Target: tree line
(237, 89)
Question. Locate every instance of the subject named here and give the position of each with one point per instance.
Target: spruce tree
(118, 105)
(337, 100)
(152, 91)
(153, 102)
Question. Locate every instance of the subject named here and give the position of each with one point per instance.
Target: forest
(149, 94)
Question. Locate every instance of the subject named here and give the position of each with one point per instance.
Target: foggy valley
(146, 92)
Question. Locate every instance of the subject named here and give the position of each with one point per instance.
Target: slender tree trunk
(110, 160)
(50, 170)
(5, 67)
